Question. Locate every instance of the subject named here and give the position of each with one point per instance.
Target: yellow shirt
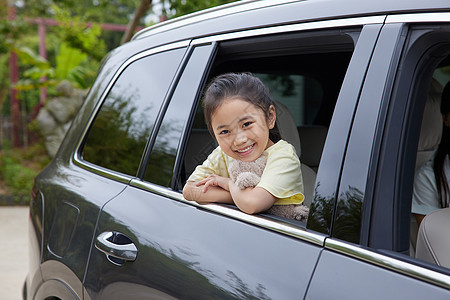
(282, 176)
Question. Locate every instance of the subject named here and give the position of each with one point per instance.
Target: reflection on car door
(186, 252)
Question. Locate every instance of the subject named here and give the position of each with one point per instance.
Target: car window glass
(162, 158)
(120, 131)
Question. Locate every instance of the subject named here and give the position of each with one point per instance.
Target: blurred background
(50, 51)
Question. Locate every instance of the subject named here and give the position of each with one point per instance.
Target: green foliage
(73, 31)
(71, 64)
(28, 56)
(18, 178)
(19, 167)
(100, 11)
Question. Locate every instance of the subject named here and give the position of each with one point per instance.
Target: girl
(431, 190)
(240, 115)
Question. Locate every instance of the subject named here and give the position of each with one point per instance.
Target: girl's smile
(242, 129)
(245, 150)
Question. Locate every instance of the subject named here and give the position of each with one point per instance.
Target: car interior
(431, 242)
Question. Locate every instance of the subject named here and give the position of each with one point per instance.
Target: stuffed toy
(248, 174)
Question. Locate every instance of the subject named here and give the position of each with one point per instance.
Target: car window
(119, 133)
(160, 166)
(409, 132)
(300, 82)
(429, 192)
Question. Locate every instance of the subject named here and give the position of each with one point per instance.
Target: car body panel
(61, 193)
(192, 255)
(349, 278)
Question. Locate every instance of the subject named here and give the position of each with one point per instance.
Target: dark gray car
(351, 80)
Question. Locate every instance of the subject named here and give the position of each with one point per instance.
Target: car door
(186, 250)
(368, 255)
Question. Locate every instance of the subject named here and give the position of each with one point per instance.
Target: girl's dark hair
(238, 85)
(442, 152)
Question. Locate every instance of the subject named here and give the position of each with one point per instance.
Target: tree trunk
(132, 25)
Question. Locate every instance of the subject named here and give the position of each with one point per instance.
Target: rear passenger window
(414, 130)
(160, 166)
(117, 138)
(431, 170)
(296, 69)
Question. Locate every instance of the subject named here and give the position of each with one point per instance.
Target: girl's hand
(215, 180)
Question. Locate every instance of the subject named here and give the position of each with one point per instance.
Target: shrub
(18, 167)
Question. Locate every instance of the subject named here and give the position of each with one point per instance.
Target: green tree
(98, 11)
(95, 11)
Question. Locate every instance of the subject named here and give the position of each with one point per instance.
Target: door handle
(116, 245)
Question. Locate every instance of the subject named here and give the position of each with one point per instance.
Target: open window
(412, 132)
(429, 243)
(304, 72)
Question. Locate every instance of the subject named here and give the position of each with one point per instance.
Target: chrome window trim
(419, 18)
(387, 262)
(110, 174)
(208, 14)
(76, 159)
(261, 221)
(292, 28)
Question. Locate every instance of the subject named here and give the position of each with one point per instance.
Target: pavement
(13, 251)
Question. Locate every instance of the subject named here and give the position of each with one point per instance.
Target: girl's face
(242, 129)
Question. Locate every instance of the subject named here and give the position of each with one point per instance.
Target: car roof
(251, 14)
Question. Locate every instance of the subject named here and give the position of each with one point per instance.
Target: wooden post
(42, 53)
(14, 101)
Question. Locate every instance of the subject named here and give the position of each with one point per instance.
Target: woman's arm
(419, 218)
(194, 191)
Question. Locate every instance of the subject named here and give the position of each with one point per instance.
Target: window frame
(394, 167)
(369, 249)
(354, 31)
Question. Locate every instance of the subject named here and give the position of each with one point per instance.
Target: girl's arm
(251, 200)
(219, 189)
(195, 191)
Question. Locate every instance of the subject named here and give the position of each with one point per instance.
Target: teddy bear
(248, 174)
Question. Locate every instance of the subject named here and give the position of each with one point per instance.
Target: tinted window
(120, 131)
(163, 155)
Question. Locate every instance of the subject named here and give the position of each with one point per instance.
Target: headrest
(287, 126)
(433, 240)
(431, 130)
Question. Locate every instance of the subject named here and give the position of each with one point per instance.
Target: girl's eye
(246, 124)
(224, 131)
